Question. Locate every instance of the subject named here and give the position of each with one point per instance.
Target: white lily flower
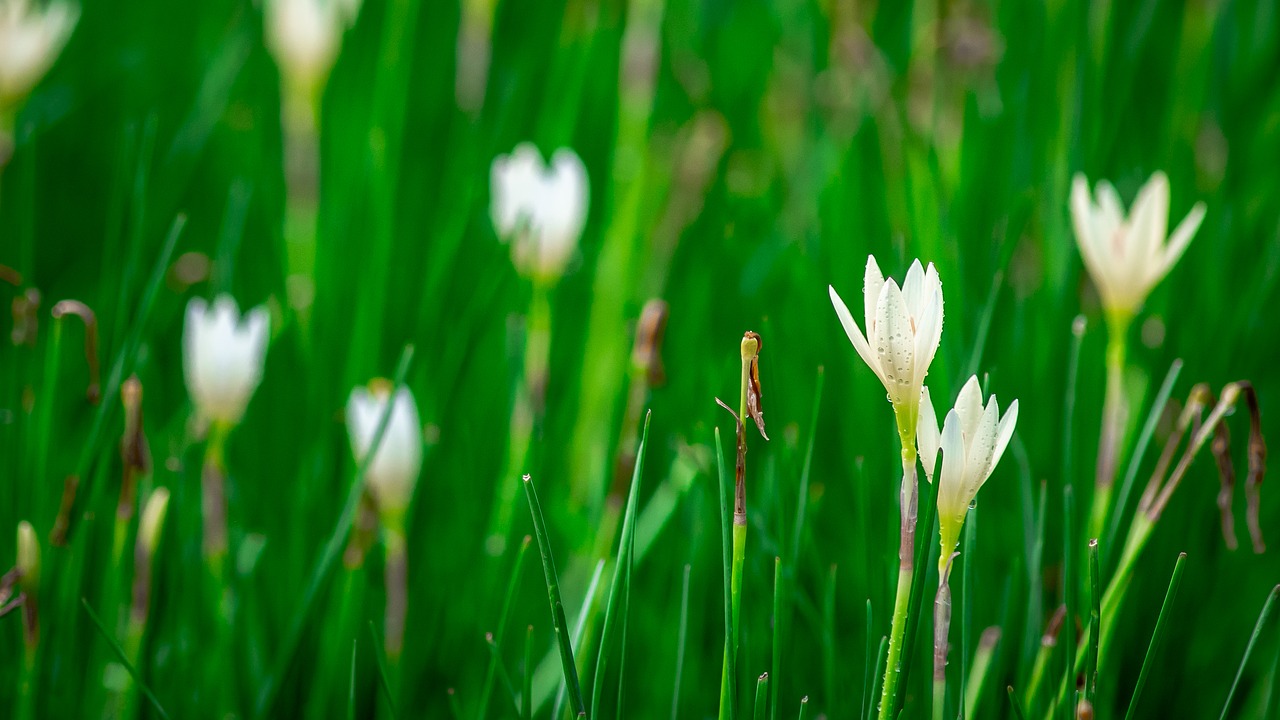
(540, 209)
(223, 357)
(904, 327)
(305, 36)
(393, 472)
(30, 39)
(973, 439)
(1128, 256)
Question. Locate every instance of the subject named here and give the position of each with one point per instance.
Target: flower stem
(906, 571)
(1115, 413)
(397, 592)
(214, 503)
(941, 628)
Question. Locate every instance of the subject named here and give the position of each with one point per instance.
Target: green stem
(526, 408)
(1115, 413)
(214, 503)
(899, 626)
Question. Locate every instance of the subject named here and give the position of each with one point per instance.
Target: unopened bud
(29, 568)
(152, 521)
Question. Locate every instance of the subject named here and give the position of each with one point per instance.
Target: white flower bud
(30, 39)
(393, 472)
(540, 210)
(223, 357)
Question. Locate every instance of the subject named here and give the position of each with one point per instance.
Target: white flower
(30, 40)
(393, 472)
(972, 440)
(304, 36)
(222, 357)
(1128, 256)
(539, 209)
(904, 327)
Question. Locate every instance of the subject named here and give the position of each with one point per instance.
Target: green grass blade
(124, 660)
(579, 632)
(728, 685)
(1013, 702)
(804, 707)
(351, 687)
(1095, 624)
(1118, 515)
(867, 679)
(681, 638)
(1158, 634)
(526, 696)
(802, 502)
(762, 697)
(881, 658)
(1248, 650)
(829, 640)
(620, 587)
(487, 689)
(776, 665)
(383, 678)
(1069, 585)
(332, 549)
(553, 595)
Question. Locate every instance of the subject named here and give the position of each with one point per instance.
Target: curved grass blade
(124, 660)
(1158, 634)
(332, 549)
(579, 632)
(1248, 650)
(776, 665)
(881, 657)
(553, 595)
(487, 689)
(803, 500)
(620, 587)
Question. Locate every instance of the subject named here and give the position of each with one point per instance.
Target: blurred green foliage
(743, 156)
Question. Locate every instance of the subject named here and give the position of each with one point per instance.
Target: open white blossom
(393, 472)
(30, 39)
(223, 357)
(904, 327)
(973, 439)
(1128, 256)
(539, 209)
(305, 36)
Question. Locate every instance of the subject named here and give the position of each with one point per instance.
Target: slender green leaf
(1248, 649)
(124, 660)
(1157, 635)
(561, 626)
(487, 688)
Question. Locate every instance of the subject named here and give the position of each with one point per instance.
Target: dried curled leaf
(754, 407)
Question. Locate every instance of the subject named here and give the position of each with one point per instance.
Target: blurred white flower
(904, 327)
(30, 39)
(304, 36)
(222, 357)
(539, 209)
(972, 441)
(393, 472)
(1127, 256)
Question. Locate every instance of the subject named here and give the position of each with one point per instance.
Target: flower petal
(1148, 223)
(981, 448)
(927, 437)
(951, 479)
(1004, 432)
(1180, 239)
(969, 407)
(855, 335)
(913, 289)
(1088, 230)
(895, 344)
(872, 284)
(928, 325)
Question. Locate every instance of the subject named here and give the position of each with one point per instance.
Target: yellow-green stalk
(150, 526)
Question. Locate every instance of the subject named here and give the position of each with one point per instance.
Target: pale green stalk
(906, 569)
(1115, 413)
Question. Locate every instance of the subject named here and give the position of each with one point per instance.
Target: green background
(780, 143)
